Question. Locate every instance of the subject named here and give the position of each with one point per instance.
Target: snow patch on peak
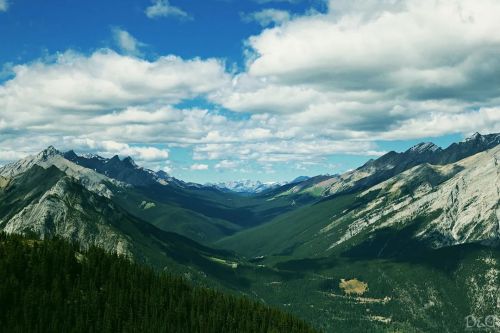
(92, 156)
(245, 186)
(474, 136)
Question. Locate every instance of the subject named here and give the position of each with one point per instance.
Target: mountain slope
(203, 213)
(459, 203)
(200, 213)
(49, 157)
(420, 250)
(50, 203)
(389, 165)
(54, 286)
(408, 242)
(123, 170)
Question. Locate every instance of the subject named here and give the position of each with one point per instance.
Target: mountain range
(252, 186)
(414, 235)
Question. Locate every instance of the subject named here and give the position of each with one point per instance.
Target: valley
(408, 242)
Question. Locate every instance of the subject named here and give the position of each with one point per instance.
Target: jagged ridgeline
(54, 286)
(408, 242)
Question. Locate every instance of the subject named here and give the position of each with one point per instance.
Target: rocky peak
(424, 147)
(48, 152)
(113, 162)
(474, 137)
(70, 155)
(128, 161)
(162, 174)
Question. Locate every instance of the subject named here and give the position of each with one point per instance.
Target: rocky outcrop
(463, 197)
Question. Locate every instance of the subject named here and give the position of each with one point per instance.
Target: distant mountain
(407, 242)
(125, 170)
(245, 186)
(252, 186)
(439, 205)
(299, 179)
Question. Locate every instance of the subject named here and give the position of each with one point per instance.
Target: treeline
(53, 286)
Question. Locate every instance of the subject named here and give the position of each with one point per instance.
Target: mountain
(458, 203)
(423, 244)
(201, 213)
(407, 242)
(48, 203)
(91, 180)
(49, 195)
(299, 179)
(124, 170)
(389, 165)
(245, 186)
(252, 186)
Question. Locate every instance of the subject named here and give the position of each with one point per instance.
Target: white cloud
(347, 43)
(267, 17)
(112, 99)
(126, 42)
(108, 147)
(163, 8)
(319, 85)
(277, 151)
(75, 86)
(4, 5)
(437, 45)
(269, 1)
(227, 164)
(199, 167)
(368, 69)
(11, 155)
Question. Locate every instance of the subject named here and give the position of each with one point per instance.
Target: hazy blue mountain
(245, 186)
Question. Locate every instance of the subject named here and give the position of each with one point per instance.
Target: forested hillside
(53, 286)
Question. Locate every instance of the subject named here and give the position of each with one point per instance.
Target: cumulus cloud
(267, 17)
(126, 42)
(282, 151)
(371, 68)
(4, 5)
(107, 97)
(199, 167)
(108, 147)
(11, 155)
(163, 8)
(437, 46)
(319, 85)
(75, 85)
(270, 1)
(227, 164)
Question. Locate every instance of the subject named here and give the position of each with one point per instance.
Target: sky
(217, 90)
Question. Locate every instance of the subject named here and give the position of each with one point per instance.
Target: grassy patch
(353, 286)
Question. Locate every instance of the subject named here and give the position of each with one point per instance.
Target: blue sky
(218, 90)
(33, 29)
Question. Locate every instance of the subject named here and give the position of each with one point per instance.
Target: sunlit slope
(444, 205)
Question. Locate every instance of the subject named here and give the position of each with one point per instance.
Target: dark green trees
(53, 286)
